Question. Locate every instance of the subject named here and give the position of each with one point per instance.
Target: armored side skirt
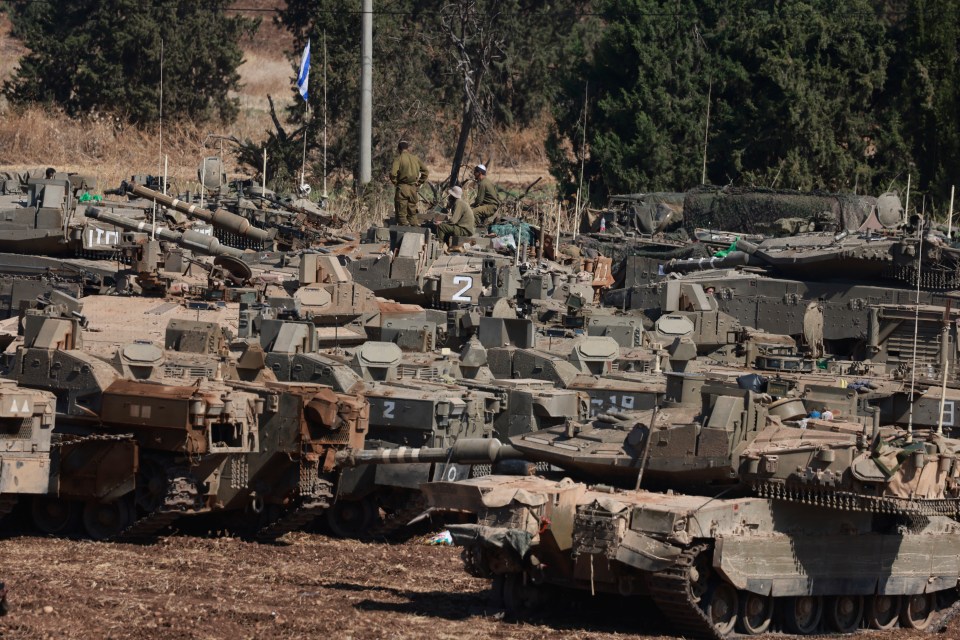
(886, 564)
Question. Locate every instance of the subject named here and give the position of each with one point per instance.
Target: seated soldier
(461, 222)
(486, 203)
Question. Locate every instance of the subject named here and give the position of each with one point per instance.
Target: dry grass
(101, 148)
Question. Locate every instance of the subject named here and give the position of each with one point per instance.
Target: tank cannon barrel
(322, 218)
(465, 451)
(732, 259)
(219, 218)
(188, 239)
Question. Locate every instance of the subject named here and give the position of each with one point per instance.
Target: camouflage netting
(521, 232)
(619, 250)
(752, 210)
(644, 213)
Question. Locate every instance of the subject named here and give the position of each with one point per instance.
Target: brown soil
(307, 586)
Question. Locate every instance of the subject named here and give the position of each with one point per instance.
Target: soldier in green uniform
(407, 174)
(486, 203)
(461, 222)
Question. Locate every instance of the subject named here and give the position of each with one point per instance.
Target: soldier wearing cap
(486, 203)
(461, 223)
(407, 174)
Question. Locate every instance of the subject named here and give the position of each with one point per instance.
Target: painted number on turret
(624, 402)
(458, 296)
(96, 238)
(388, 408)
(463, 289)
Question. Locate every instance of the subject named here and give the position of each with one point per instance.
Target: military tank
(732, 510)
(199, 434)
(839, 282)
(416, 400)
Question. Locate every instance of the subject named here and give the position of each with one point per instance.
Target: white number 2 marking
(388, 407)
(458, 296)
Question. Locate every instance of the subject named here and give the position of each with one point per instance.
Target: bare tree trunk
(466, 124)
(474, 47)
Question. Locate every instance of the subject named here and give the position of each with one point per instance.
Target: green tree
(419, 73)
(924, 90)
(799, 93)
(794, 87)
(647, 79)
(104, 56)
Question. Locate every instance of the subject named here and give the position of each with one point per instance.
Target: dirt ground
(306, 586)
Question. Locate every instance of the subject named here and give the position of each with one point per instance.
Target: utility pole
(366, 90)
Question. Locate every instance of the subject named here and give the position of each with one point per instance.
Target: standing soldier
(487, 202)
(461, 223)
(407, 174)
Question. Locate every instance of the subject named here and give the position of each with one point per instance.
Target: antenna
(153, 231)
(945, 353)
(583, 160)
(906, 207)
(916, 326)
(706, 131)
(306, 125)
(950, 215)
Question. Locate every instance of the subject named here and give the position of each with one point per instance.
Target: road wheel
(519, 596)
(756, 613)
(350, 518)
(883, 612)
(54, 516)
(917, 611)
(720, 604)
(106, 520)
(844, 613)
(801, 615)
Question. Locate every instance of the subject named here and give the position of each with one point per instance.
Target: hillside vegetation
(635, 95)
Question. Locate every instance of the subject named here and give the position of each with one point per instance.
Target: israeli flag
(303, 79)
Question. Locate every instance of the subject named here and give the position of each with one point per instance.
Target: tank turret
(193, 240)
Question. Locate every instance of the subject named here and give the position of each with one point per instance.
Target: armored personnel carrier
(771, 518)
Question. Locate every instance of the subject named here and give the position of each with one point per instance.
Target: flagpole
(324, 113)
(303, 84)
(303, 161)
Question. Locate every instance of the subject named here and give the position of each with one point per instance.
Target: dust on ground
(306, 586)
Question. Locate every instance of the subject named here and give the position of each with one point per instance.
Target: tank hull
(699, 558)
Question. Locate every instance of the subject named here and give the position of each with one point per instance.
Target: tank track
(304, 513)
(671, 591)
(67, 438)
(849, 501)
(182, 496)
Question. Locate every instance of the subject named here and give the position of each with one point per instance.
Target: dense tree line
(103, 57)
(806, 94)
